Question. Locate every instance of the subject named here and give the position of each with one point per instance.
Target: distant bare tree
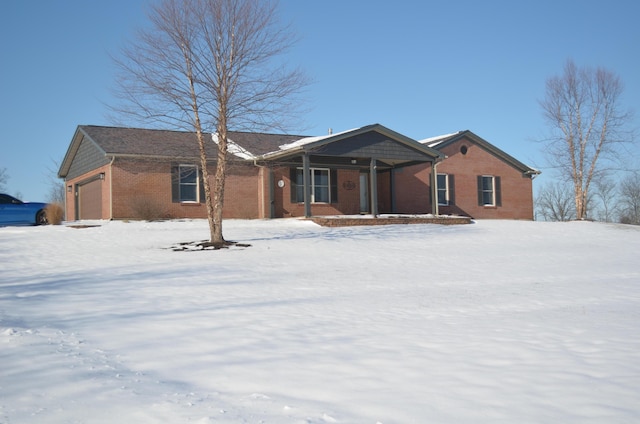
(208, 66)
(56, 187)
(4, 177)
(630, 199)
(554, 202)
(56, 193)
(605, 197)
(588, 126)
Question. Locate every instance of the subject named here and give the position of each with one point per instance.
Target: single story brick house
(117, 173)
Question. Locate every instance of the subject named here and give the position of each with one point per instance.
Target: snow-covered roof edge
(308, 140)
(434, 141)
(234, 148)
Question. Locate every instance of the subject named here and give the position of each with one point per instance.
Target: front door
(364, 192)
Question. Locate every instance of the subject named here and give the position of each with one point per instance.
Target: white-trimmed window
(188, 183)
(322, 182)
(489, 190)
(443, 189)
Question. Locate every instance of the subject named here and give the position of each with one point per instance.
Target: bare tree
(630, 199)
(209, 66)
(554, 202)
(56, 187)
(56, 192)
(605, 197)
(4, 177)
(588, 126)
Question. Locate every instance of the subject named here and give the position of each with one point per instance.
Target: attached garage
(89, 199)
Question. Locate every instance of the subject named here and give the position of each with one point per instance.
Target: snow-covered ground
(493, 322)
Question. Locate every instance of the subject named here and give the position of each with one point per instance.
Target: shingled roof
(166, 144)
(153, 143)
(142, 142)
(259, 143)
(161, 143)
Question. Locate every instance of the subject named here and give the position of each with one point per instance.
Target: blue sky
(422, 68)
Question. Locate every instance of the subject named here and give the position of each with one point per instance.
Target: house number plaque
(349, 185)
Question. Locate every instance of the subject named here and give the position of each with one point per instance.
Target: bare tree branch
(630, 199)
(587, 125)
(554, 202)
(4, 177)
(209, 66)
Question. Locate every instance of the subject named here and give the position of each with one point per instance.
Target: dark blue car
(17, 212)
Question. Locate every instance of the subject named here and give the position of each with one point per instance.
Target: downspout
(307, 185)
(434, 189)
(435, 208)
(113, 158)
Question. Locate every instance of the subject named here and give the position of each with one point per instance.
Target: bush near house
(54, 213)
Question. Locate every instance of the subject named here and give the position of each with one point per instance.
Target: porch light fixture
(101, 175)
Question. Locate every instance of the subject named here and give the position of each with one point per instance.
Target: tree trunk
(205, 181)
(210, 59)
(580, 207)
(218, 189)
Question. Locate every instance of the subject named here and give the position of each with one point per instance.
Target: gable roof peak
(434, 141)
(443, 141)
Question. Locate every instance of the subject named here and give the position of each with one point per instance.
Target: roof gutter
(532, 173)
(159, 157)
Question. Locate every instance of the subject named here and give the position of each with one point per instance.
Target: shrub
(148, 209)
(55, 213)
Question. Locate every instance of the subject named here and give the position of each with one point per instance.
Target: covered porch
(365, 163)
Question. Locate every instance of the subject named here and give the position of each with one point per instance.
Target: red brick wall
(242, 197)
(516, 190)
(137, 184)
(150, 182)
(143, 184)
(385, 204)
(412, 189)
(348, 196)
